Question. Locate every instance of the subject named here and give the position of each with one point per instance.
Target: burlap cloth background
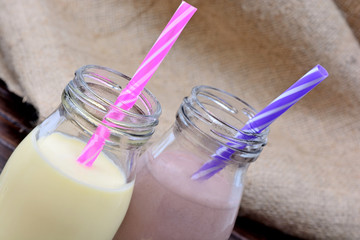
(307, 180)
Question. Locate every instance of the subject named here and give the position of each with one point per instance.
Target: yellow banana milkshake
(46, 194)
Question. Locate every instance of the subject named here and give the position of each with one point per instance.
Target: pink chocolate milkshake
(168, 204)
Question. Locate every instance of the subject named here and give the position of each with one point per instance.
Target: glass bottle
(46, 194)
(168, 203)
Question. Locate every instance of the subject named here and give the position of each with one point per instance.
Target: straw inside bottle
(130, 93)
(263, 119)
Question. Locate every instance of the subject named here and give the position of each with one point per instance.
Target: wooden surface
(18, 118)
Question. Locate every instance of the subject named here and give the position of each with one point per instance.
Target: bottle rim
(203, 103)
(86, 93)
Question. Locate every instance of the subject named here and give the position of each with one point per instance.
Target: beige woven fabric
(307, 180)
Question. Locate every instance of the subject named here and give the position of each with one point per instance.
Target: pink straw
(130, 93)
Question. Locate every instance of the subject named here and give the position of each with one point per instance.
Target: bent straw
(130, 93)
(263, 119)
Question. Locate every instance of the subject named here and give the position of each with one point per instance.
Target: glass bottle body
(168, 203)
(46, 194)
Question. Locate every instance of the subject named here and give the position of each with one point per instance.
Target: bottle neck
(213, 119)
(87, 99)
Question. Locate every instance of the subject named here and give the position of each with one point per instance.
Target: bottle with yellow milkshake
(45, 193)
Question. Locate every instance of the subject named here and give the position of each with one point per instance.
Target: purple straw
(262, 120)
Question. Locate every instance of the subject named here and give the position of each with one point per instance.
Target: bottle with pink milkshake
(174, 196)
